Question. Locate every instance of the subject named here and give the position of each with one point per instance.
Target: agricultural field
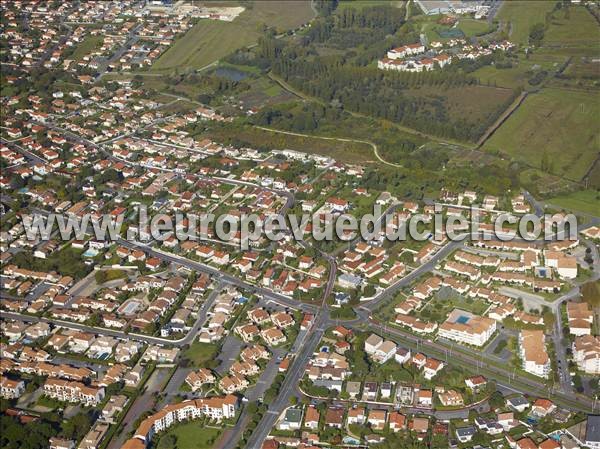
(544, 183)
(556, 128)
(584, 68)
(521, 15)
(210, 40)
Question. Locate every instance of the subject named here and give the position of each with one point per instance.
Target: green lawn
(522, 14)
(201, 353)
(472, 27)
(210, 40)
(194, 435)
(445, 302)
(587, 201)
(561, 124)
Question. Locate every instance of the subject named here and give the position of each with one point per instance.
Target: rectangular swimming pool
(462, 319)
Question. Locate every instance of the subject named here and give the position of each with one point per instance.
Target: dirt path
(340, 139)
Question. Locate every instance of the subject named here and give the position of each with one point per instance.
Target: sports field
(557, 125)
(210, 40)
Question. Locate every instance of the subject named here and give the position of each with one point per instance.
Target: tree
(76, 427)
(536, 33)
(549, 318)
(168, 441)
(590, 293)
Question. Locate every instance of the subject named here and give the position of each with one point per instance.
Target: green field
(194, 435)
(210, 40)
(587, 201)
(559, 123)
(86, 46)
(472, 27)
(201, 353)
(521, 14)
(577, 27)
(359, 4)
(348, 152)
(522, 70)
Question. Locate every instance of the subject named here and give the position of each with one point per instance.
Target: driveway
(229, 352)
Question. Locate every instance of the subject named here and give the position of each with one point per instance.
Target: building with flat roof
(592, 432)
(467, 328)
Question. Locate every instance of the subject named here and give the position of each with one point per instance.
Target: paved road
(34, 158)
(307, 343)
(413, 275)
(142, 404)
(187, 339)
(217, 274)
(229, 352)
(132, 39)
(266, 378)
(288, 388)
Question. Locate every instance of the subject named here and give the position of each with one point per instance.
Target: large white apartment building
(406, 50)
(586, 354)
(532, 348)
(72, 391)
(11, 389)
(475, 331)
(215, 408)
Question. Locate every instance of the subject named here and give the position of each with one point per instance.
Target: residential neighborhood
(236, 225)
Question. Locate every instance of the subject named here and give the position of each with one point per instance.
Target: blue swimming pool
(462, 319)
(90, 252)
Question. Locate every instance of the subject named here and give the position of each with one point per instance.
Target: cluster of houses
(119, 24)
(380, 406)
(66, 382)
(29, 46)
(243, 369)
(415, 57)
(270, 327)
(481, 272)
